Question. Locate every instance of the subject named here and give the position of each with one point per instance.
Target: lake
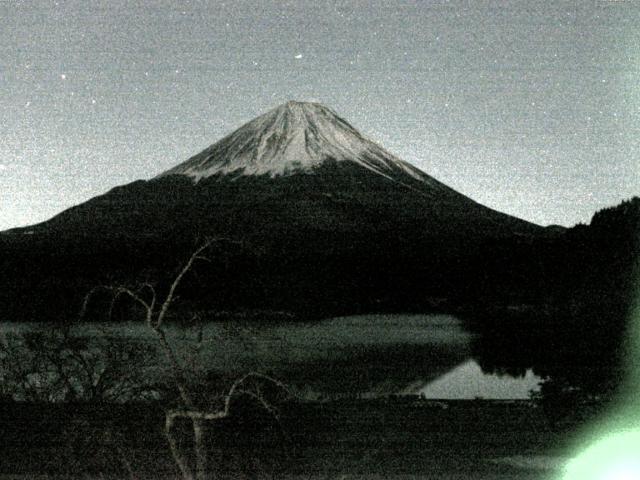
(365, 356)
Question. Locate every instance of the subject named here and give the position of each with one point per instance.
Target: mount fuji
(298, 163)
(330, 219)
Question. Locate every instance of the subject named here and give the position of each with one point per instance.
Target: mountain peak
(299, 104)
(291, 138)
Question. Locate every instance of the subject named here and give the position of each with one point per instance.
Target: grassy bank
(385, 438)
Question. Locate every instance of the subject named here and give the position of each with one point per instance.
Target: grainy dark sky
(532, 108)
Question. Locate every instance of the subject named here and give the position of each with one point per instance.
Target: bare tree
(155, 309)
(58, 364)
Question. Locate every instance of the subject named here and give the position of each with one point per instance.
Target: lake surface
(369, 355)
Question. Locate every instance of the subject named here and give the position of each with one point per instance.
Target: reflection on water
(361, 355)
(468, 381)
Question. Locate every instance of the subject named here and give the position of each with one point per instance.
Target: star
(63, 76)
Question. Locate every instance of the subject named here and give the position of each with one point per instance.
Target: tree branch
(167, 302)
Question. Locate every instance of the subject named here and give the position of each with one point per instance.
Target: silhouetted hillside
(329, 223)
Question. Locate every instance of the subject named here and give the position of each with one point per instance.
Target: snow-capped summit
(293, 137)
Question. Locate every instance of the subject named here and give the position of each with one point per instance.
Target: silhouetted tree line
(320, 273)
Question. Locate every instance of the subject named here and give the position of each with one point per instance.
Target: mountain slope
(331, 223)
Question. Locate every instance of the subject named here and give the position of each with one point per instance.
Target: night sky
(531, 108)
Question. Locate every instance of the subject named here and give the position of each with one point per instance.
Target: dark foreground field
(392, 438)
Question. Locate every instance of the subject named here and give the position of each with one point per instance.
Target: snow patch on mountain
(294, 137)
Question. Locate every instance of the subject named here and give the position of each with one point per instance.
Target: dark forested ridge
(338, 240)
(581, 268)
(336, 265)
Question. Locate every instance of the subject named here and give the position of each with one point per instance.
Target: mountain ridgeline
(313, 220)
